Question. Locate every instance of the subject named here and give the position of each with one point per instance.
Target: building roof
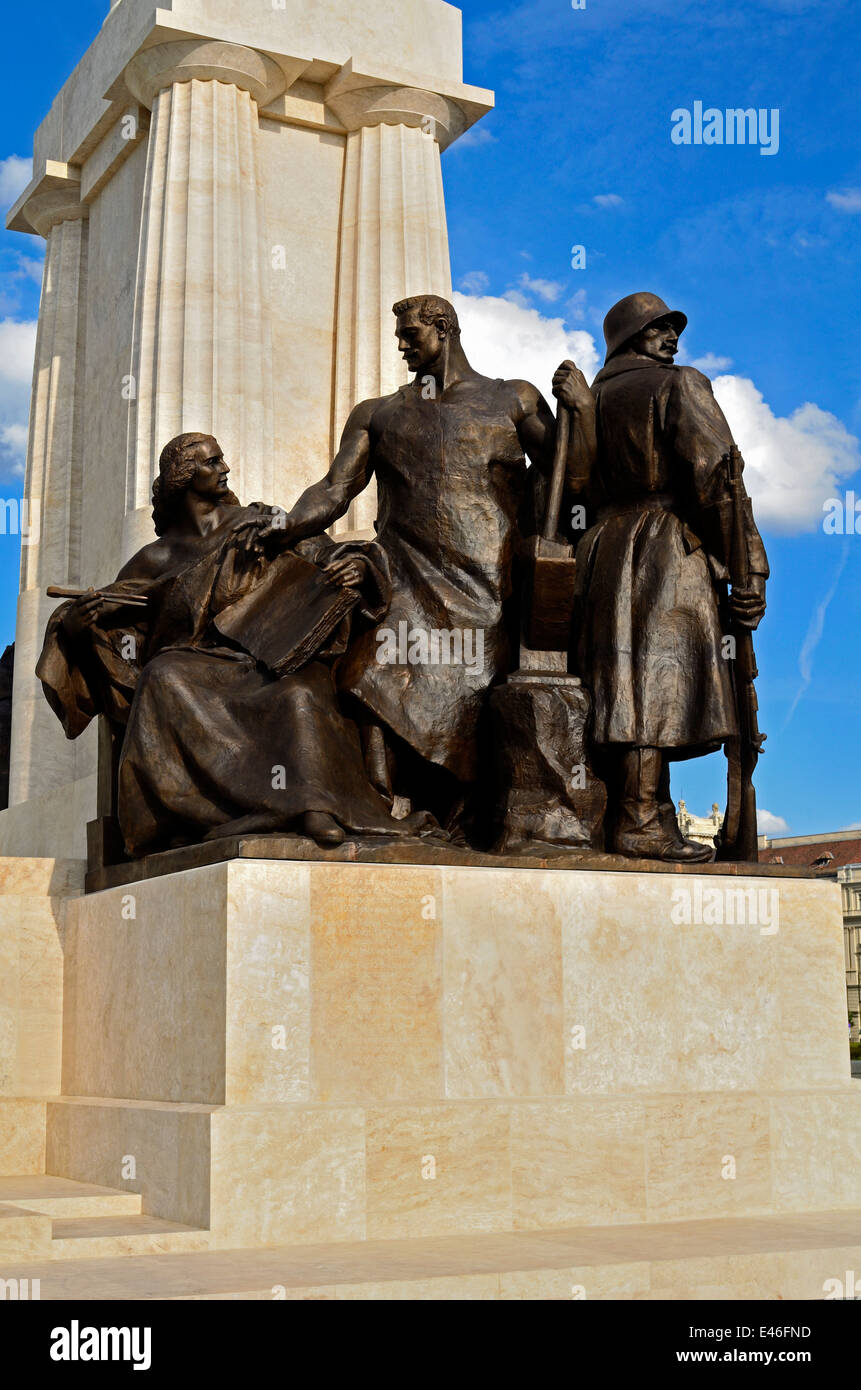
(826, 853)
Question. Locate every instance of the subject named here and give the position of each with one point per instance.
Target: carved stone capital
(358, 96)
(387, 104)
(53, 197)
(185, 60)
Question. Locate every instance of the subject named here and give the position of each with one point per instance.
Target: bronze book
(287, 618)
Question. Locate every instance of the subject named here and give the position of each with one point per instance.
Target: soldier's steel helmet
(634, 312)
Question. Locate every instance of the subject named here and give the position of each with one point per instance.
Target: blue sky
(760, 251)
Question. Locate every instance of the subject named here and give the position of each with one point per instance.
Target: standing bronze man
(652, 575)
(449, 452)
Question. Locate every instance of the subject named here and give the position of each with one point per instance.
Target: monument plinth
(268, 1054)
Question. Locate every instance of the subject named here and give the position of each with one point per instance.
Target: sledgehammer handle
(557, 483)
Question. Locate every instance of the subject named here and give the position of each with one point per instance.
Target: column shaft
(41, 757)
(202, 341)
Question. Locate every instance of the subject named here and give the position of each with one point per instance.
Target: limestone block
(816, 1150)
(287, 1175)
(22, 1137)
(503, 1004)
(437, 1169)
(24, 1235)
(268, 997)
(708, 1155)
(31, 993)
(376, 971)
(577, 1163)
(146, 991)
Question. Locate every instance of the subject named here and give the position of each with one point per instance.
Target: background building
(700, 828)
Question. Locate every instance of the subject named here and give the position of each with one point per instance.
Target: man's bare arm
(536, 425)
(322, 503)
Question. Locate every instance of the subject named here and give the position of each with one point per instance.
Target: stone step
(760, 1258)
(100, 1237)
(61, 1197)
(24, 1235)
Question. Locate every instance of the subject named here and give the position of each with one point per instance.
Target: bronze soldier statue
(653, 573)
(449, 455)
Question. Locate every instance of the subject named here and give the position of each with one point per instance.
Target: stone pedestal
(288, 1053)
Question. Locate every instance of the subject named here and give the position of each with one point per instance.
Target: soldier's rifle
(738, 837)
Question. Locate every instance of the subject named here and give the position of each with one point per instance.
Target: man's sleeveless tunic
(451, 477)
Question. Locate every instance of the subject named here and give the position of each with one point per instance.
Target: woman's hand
(82, 613)
(346, 570)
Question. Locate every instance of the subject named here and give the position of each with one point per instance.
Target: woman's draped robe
(211, 735)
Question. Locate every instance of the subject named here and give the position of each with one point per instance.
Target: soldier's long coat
(650, 570)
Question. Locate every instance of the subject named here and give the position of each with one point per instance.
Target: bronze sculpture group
(258, 676)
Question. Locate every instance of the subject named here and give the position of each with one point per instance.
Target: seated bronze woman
(215, 649)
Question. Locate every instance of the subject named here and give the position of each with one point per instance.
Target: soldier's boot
(643, 829)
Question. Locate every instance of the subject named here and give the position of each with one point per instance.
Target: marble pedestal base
(282, 1053)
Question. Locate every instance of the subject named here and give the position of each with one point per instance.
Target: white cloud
(768, 824)
(549, 290)
(575, 307)
(506, 339)
(17, 346)
(31, 268)
(794, 463)
(608, 200)
(13, 448)
(476, 135)
(474, 282)
(15, 174)
(711, 363)
(847, 201)
(515, 297)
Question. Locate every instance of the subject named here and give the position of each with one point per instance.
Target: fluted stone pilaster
(202, 357)
(41, 757)
(394, 243)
